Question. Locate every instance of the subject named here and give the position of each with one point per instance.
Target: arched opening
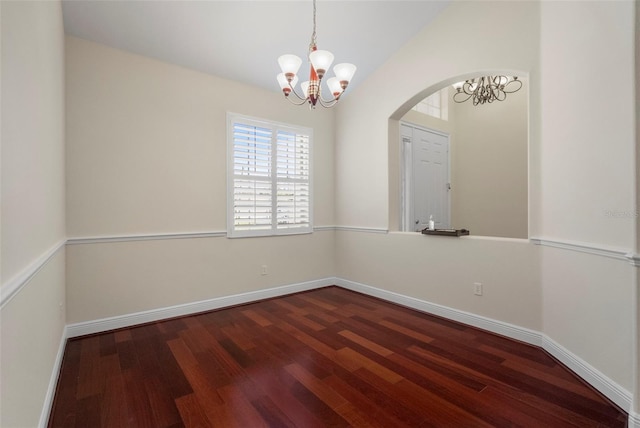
(466, 169)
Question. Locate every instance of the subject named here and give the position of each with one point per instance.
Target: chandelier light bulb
(285, 84)
(344, 72)
(305, 88)
(321, 61)
(290, 64)
(334, 86)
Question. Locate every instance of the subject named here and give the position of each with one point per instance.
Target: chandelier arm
(302, 101)
(458, 99)
(331, 101)
(466, 88)
(327, 104)
(298, 96)
(510, 91)
(493, 92)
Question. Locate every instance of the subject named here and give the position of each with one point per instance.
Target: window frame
(274, 127)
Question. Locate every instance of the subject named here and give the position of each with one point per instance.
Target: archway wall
(558, 292)
(466, 38)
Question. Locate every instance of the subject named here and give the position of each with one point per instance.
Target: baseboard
(634, 420)
(53, 382)
(498, 327)
(593, 376)
(112, 323)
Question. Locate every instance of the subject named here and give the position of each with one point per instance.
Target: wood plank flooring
(327, 357)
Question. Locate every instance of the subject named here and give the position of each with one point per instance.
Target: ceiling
(241, 40)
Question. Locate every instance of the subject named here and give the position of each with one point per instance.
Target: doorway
(426, 182)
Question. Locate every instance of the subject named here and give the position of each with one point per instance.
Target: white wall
(146, 154)
(33, 217)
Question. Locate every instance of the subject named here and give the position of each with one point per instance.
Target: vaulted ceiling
(241, 40)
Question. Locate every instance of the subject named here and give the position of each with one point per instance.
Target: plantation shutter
(293, 195)
(269, 178)
(252, 189)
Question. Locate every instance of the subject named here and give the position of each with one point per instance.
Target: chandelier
(320, 61)
(486, 89)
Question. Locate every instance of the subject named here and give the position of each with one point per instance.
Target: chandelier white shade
(486, 89)
(319, 64)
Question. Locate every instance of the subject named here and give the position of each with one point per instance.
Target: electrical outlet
(264, 270)
(477, 288)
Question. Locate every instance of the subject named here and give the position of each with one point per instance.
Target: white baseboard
(53, 382)
(606, 386)
(593, 376)
(112, 323)
(498, 327)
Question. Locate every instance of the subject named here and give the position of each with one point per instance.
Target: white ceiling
(241, 40)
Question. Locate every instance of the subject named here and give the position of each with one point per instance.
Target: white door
(429, 187)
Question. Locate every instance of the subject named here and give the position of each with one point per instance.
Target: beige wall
(31, 331)
(146, 143)
(146, 154)
(588, 308)
(489, 166)
(365, 188)
(33, 219)
(587, 172)
(32, 133)
(489, 163)
(121, 278)
(588, 143)
(430, 61)
(442, 270)
(580, 166)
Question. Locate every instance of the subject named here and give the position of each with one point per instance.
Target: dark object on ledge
(446, 232)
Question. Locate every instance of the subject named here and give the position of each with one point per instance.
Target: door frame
(407, 216)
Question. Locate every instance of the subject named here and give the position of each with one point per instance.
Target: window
(435, 105)
(268, 178)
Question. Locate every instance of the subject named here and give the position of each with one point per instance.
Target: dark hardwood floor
(328, 357)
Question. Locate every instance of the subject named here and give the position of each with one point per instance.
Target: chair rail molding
(13, 286)
(588, 248)
(148, 237)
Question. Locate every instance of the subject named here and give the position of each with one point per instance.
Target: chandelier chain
(312, 45)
